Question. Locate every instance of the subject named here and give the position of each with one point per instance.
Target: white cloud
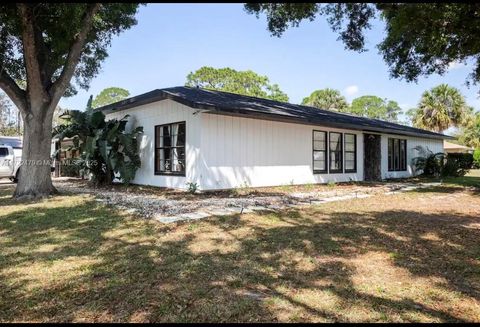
(351, 90)
(455, 65)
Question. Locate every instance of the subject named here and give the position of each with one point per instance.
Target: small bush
(69, 168)
(440, 164)
(331, 184)
(429, 163)
(457, 164)
(192, 187)
(476, 158)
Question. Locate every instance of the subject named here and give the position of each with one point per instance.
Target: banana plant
(107, 149)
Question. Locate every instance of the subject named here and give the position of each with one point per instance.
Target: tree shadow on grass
(143, 271)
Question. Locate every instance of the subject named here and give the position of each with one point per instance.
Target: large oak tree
(48, 45)
(420, 38)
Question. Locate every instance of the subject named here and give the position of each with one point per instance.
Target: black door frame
(372, 157)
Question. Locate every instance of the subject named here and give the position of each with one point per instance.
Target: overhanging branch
(32, 65)
(14, 92)
(60, 85)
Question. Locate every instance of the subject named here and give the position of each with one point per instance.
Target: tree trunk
(35, 175)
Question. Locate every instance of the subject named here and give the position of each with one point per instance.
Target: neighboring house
(62, 155)
(222, 140)
(449, 147)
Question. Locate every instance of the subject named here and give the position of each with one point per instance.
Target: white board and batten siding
(158, 113)
(435, 145)
(251, 152)
(227, 152)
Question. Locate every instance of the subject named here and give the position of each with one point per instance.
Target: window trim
(404, 161)
(330, 170)
(354, 170)
(155, 148)
(316, 171)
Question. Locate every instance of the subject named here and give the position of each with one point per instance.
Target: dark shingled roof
(224, 103)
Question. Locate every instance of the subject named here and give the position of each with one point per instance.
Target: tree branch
(60, 85)
(32, 66)
(14, 92)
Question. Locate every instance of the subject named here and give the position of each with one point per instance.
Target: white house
(222, 140)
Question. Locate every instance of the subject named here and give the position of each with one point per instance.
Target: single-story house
(449, 147)
(222, 140)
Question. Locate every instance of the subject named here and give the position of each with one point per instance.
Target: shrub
(70, 168)
(331, 184)
(192, 187)
(476, 158)
(457, 164)
(107, 150)
(428, 162)
(440, 164)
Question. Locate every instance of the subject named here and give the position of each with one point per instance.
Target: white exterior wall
(158, 113)
(226, 152)
(434, 145)
(244, 151)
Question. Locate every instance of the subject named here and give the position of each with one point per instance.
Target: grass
(410, 257)
(472, 179)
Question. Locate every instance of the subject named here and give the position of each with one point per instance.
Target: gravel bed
(148, 205)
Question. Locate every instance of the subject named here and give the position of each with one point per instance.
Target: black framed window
(170, 149)
(397, 154)
(319, 152)
(335, 152)
(350, 153)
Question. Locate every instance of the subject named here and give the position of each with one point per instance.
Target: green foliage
(328, 99)
(470, 133)
(457, 164)
(192, 187)
(429, 163)
(439, 164)
(476, 158)
(331, 184)
(440, 108)
(70, 168)
(107, 150)
(233, 81)
(9, 131)
(8, 117)
(108, 96)
(374, 107)
(56, 36)
(420, 38)
(89, 103)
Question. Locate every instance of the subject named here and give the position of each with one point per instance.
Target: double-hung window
(397, 154)
(319, 152)
(335, 153)
(170, 149)
(350, 153)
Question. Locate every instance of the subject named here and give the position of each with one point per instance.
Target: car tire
(15, 179)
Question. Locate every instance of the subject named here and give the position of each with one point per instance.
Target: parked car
(11, 157)
(9, 162)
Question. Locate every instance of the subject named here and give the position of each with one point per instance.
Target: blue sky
(171, 40)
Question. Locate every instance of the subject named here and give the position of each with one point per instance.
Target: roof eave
(158, 95)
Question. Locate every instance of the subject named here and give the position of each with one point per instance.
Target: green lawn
(401, 258)
(471, 179)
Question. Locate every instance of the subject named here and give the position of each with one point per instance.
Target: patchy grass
(411, 257)
(471, 179)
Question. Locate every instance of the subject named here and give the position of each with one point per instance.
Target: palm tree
(440, 108)
(470, 134)
(328, 99)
